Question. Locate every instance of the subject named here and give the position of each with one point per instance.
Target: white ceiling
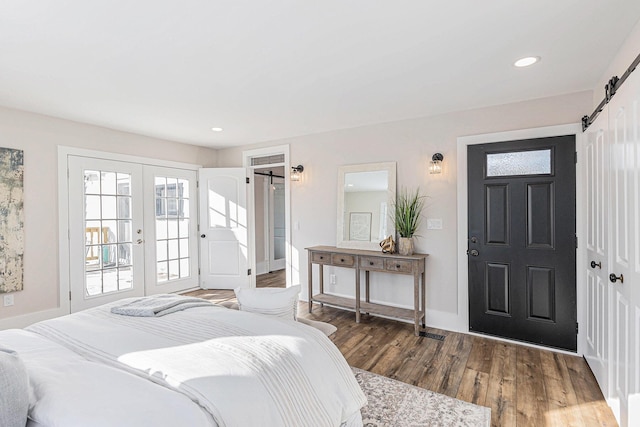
(266, 70)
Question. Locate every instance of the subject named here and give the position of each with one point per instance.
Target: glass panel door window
(172, 228)
(171, 258)
(106, 248)
(108, 229)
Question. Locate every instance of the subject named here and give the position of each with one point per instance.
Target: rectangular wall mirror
(366, 195)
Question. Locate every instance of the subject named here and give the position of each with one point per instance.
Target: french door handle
(613, 278)
(594, 264)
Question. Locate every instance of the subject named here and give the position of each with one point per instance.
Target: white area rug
(396, 404)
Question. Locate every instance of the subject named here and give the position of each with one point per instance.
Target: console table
(370, 261)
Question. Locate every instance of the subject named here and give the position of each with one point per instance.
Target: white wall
(629, 50)
(410, 143)
(39, 137)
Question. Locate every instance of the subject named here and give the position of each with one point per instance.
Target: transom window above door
(519, 163)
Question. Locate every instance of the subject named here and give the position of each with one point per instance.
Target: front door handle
(473, 252)
(596, 264)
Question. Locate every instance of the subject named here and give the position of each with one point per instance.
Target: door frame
(63, 208)
(276, 150)
(462, 208)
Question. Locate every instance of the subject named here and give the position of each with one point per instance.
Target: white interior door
(105, 231)
(226, 225)
(625, 251)
(171, 255)
(596, 274)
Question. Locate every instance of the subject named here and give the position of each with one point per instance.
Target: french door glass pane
(108, 232)
(172, 228)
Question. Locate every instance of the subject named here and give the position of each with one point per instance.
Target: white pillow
(279, 302)
(14, 390)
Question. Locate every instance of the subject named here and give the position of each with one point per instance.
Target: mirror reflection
(365, 195)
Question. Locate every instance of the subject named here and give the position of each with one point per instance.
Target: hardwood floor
(523, 386)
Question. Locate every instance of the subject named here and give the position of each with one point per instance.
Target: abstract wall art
(11, 220)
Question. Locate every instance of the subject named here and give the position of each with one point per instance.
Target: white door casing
(226, 218)
(292, 273)
(106, 247)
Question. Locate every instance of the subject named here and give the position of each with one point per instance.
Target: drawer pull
(370, 262)
(321, 257)
(341, 259)
(397, 265)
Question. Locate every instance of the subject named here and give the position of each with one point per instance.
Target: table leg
(321, 279)
(357, 295)
(310, 284)
(424, 298)
(366, 286)
(416, 303)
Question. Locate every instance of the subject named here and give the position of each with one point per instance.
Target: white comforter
(244, 369)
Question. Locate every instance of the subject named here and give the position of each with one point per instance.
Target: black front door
(522, 241)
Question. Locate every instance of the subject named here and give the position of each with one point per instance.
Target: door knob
(594, 264)
(474, 239)
(139, 241)
(474, 252)
(615, 278)
(203, 235)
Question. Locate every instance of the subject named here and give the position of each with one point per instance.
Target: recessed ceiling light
(525, 62)
(216, 129)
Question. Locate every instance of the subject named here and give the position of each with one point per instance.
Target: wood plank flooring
(523, 386)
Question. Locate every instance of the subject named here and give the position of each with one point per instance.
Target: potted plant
(407, 217)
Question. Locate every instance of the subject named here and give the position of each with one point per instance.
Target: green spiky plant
(408, 212)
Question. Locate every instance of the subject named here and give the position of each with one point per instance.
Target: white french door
(106, 244)
(132, 230)
(171, 218)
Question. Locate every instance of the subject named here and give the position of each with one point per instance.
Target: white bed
(205, 366)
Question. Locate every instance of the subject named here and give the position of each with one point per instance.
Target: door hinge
(576, 237)
(69, 295)
(248, 180)
(576, 157)
(249, 272)
(577, 324)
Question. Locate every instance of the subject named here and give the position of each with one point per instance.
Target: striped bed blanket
(243, 368)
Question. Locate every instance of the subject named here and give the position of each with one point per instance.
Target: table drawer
(321, 257)
(343, 260)
(399, 265)
(371, 263)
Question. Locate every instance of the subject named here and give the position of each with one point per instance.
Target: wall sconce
(436, 163)
(296, 172)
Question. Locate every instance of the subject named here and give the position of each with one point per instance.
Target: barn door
(624, 254)
(596, 273)
(522, 278)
